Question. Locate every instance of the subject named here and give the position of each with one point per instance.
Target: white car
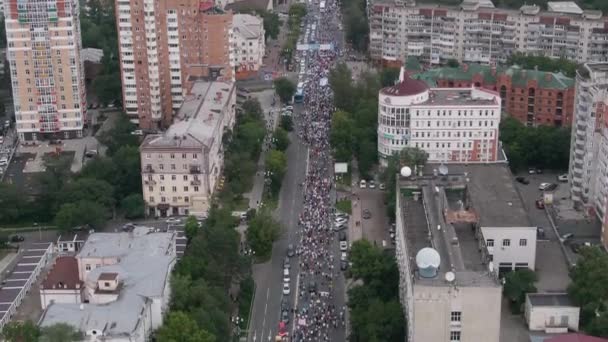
(3, 161)
(173, 220)
(343, 246)
(343, 256)
(1, 139)
(286, 289)
(363, 184)
(137, 132)
(563, 178)
(372, 184)
(341, 220)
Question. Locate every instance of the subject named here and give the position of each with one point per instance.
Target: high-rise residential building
(164, 47)
(533, 97)
(47, 73)
(456, 234)
(249, 43)
(588, 172)
(181, 166)
(475, 31)
(451, 125)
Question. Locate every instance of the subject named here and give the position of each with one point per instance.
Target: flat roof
(460, 97)
(550, 299)
(564, 7)
(141, 239)
(198, 119)
(8, 295)
(24, 268)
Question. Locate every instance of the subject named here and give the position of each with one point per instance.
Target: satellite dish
(443, 170)
(450, 276)
(406, 171)
(428, 261)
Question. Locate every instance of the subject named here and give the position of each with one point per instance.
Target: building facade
(551, 312)
(248, 42)
(451, 125)
(181, 167)
(478, 32)
(532, 97)
(47, 73)
(164, 47)
(588, 170)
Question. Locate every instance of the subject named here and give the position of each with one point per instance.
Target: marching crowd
(316, 315)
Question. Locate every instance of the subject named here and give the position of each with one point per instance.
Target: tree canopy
(517, 284)
(263, 230)
(15, 331)
(179, 327)
(59, 332)
(544, 63)
(354, 18)
(285, 88)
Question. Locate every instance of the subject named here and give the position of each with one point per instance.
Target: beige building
(117, 288)
(164, 47)
(551, 313)
(180, 167)
(448, 273)
(475, 31)
(248, 42)
(47, 73)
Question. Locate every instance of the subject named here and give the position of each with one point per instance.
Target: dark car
(575, 247)
(540, 204)
(342, 236)
(367, 214)
(522, 180)
(343, 265)
(286, 263)
(540, 233)
(55, 142)
(17, 238)
(312, 287)
(285, 316)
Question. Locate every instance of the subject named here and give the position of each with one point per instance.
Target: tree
(355, 23)
(276, 165)
(297, 10)
(413, 157)
(280, 139)
(59, 332)
(127, 178)
(286, 123)
(80, 213)
(543, 63)
(108, 88)
(119, 135)
(517, 284)
(272, 24)
(263, 230)
(179, 327)
(588, 288)
(13, 203)
(133, 206)
(20, 332)
(341, 83)
(285, 88)
(89, 189)
(191, 227)
(388, 76)
(452, 63)
(342, 136)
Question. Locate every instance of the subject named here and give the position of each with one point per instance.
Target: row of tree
(354, 17)
(18, 331)
(375, 311)
(543, 63)
(297, 12)
(543, 146)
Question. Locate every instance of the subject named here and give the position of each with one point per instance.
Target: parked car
(540, 204)
(173, 220)
(137, 132)
(285, 316)
(372, 184)
(54, 142)
(382, 186)
(343, 265)
(563, 178)
(343, 246)
(339, 227)
(17, 238)
(1, 139)
(540, 233)
(522, 180)
(367, 214)
(286, 289)
(286, 278)
(566, 237)
(90, 153)
(342, 236)
(3, 161)
(291, 251)
(286, 263)
(363, 184)
(340, 220)
(547, 186)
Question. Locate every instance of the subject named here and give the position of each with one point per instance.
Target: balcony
(195, 169)
(195, 182)
(149, 169)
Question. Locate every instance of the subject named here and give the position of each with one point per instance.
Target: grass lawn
(344, 206)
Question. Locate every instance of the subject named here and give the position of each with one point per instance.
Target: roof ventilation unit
(427, 261)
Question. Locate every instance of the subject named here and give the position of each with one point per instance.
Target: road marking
(265, 309)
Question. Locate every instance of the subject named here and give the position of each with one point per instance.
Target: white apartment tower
(47, 73)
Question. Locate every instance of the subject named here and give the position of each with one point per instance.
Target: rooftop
(550, 299)
(247, 25)
(405, 87)
(564, 7)
(198, 119)
(143, 269)
(572, 337)
(461, 97)
(248, 5)
(63, 275)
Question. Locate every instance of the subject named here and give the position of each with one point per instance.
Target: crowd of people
(315, 314)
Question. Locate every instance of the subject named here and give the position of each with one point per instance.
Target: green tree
(341, 83)
(80, 213)
(517, 284)
(119, 136)
(191, 227)
(108, 88)
(127, 178)
(297, 10)
(276, 165)
(272, 24)
(59, 332)
(342, 136)
(285, 88)
(388, 76)
(180, 327)
(280, 139)
(286, 123)
(413, 157)
(133, 206)
(588, 288)
(89, 189)
(355, 23)
(20, 332)
(543, 63)
(453, 63)
(263, 230)
(13, 203)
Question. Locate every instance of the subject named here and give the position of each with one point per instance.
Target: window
(454, 336)
(173, 177)
(185, 177)
(162, 188)
(174, 189)
(455, 316)
(186, 188)
(490, 242)
(523, 242)
(87, 267)
(506, 243)
(106, 284)
(196, 189)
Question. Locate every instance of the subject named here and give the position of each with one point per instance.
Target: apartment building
(451, 125)
(117, 288)
(164, 47)
(533, 97)
(475, 31)
(180, 167)
(248, 42)
(47, 73)
(588, 172)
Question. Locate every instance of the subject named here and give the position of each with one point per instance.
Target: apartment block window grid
(455, 336)
(455, 316)
(506, 242)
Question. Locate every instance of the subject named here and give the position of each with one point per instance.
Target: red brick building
(533, 97)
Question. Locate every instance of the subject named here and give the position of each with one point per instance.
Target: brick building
(533, 97)
(164, 47)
